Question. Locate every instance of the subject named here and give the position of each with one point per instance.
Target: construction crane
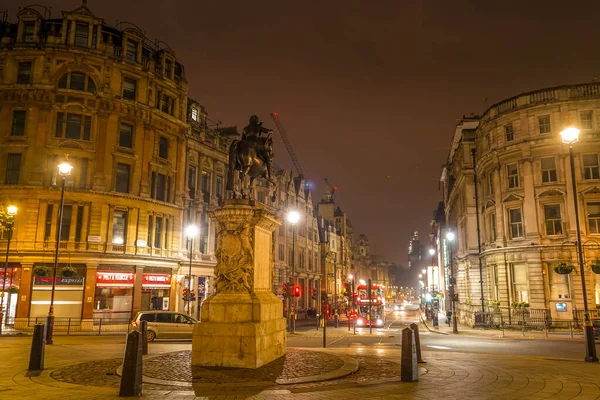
(288, 144)
(332, 188)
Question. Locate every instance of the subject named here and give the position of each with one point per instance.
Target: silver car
(165, 324)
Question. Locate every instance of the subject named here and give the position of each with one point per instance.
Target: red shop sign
(114, 278)
(156, 279)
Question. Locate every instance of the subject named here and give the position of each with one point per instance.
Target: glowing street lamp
(11, 211)
(570, 136)
(431, 251)
(191, 231)
(64, 170)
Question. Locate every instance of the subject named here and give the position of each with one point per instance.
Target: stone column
(242, 324)
(88, 297)
(24, 299)
(137, 289)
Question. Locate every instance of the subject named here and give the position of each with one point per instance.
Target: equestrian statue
(252, 155)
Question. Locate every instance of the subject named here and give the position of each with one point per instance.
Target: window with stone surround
(82, 32)
(552, 219)
(515, 221)
(593, 213)
(492, 226)
(591, 169)
(559, 284)
(587, 119)
(512, 172)
(73, 126)
(24, 72)
(548, 169)
(544, 124)
(18, 123)
(509, 132)
(520, 283)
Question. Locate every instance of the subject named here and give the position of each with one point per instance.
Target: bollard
(354, 323)
(349, 324)
(408, 365)
(415, 329)
(131, 378)
(571, 327)
(36, 358)
(144, 330)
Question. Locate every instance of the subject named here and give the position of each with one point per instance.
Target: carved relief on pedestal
(235, 260)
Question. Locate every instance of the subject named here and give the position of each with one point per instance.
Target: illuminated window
(119, 232)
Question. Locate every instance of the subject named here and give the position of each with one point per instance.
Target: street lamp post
(11, 211)
(570, 136)
(352, 289)
(335, 295)
(450, 239)
(190, 231)
(293, 218)
(64, 170)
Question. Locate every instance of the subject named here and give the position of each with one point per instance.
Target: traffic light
(455, 297)
(296, 291)
(284, 289)
(185, 294)
(313, 293)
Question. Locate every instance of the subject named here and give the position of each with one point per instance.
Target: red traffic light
(296, 291)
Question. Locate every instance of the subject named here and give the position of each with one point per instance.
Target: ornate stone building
(115, 105)
(526, 201)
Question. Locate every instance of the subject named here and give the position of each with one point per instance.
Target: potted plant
(494, 304)
(13, 289)
(596, 267)
(68, 271)
(564, 269)
(41, 270)
(520, 306)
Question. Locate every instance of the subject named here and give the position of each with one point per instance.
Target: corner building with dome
(115, 105)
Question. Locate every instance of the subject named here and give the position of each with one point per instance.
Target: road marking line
(440, 347)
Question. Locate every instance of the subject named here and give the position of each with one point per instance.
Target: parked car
(165, 324)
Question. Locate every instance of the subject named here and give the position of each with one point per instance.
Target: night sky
(369, 91)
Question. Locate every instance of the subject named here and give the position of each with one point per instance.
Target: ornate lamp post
(64, 170)
(450, 239)
(11, 211)
(351, 277)
(570, 136)
(191, 231)
(293, 218)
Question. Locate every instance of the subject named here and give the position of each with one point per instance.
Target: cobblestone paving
(93, 373)
(295, 364)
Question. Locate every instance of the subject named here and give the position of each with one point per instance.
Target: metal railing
(578, 315)
(74, 326)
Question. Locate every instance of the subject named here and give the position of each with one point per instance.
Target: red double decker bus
(364, 304)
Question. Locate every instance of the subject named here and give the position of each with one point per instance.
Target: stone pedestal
(242, 324)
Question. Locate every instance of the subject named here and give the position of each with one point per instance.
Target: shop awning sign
(156, 280)
(62, 281)
(114, 279)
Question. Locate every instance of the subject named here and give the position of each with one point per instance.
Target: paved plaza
(85, 368)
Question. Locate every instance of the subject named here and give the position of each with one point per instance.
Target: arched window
(77, 81)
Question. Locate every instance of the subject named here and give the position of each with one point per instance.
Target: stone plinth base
(241, 330)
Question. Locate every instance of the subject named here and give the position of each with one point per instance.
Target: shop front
(156, 291)
(68, 296)
(113, 298)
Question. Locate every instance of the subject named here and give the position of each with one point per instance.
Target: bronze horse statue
(250, 156)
